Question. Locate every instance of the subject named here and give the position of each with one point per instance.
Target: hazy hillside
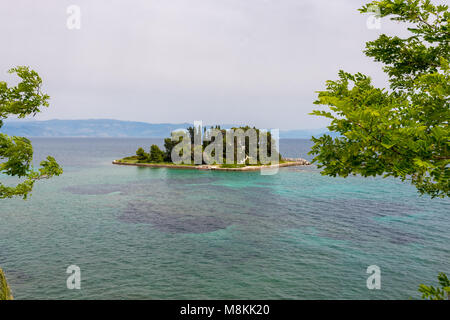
(114, 128)
(89, 128)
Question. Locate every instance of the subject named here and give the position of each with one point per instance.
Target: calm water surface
(142, 233)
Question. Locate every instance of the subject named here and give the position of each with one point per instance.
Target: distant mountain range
(116, 128)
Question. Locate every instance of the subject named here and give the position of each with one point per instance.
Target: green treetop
(401, 131)
(141, 154)
(5, 291)
(16, 153)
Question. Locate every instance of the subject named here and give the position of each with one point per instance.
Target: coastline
(288, 163)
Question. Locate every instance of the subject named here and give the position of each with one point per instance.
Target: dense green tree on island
(401, 131)
(156, 155)
(141, 154)
(269, 142)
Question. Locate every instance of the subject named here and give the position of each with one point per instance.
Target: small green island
(235, 149)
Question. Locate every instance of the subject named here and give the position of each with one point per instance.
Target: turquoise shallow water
(141, 233)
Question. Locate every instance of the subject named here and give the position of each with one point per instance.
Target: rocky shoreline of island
(288, 162)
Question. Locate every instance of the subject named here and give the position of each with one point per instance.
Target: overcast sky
(219, 61)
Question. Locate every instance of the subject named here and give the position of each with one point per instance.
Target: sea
(158, 233)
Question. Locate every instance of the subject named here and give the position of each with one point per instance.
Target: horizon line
(152, 123)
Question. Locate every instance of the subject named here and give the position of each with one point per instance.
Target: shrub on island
(156, 154)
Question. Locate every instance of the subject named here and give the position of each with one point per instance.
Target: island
(235, 149)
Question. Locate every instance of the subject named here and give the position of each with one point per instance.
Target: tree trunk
(5, 292)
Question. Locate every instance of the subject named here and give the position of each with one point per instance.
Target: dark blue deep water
(142, 233)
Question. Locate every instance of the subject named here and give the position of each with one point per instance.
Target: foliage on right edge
(432, 293)
(402, 131)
